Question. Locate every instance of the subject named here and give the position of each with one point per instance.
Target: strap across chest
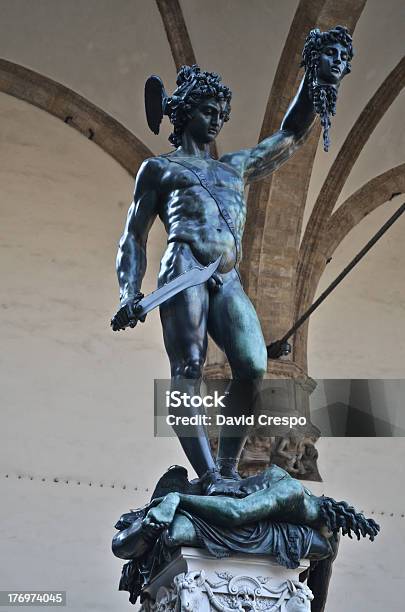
(211, 190)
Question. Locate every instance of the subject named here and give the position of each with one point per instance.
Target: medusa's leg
(135, 541)
(286, 500)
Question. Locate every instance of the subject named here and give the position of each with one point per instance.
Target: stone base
(194, 581)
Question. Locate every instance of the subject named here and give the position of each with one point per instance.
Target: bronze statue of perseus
(278, 516)
(201, 202)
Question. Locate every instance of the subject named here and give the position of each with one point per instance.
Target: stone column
(194, 581)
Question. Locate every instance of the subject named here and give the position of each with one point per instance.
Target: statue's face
(332, 65)
(206, 120)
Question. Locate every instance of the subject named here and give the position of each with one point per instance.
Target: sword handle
(128, 314)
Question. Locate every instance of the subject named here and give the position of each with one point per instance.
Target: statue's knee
(191, 368)
(180, 533)
(120, 547)
(116, 545)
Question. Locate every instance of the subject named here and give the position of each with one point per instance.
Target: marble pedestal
(194, 581)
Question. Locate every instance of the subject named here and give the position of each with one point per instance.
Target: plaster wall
(358, 332)
(64, 204)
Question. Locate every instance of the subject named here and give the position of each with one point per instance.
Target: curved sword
(190, 278)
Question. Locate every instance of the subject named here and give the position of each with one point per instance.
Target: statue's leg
(184, 322)
(235, 327)
(286, 501)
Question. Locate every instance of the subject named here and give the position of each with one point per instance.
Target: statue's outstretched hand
(128, 313)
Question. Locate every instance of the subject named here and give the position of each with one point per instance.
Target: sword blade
(190, 278)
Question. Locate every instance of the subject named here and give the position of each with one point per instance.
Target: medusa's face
(332, 65)
(206, 120)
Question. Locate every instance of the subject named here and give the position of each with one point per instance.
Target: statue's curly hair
(316, 41)
(193, 85)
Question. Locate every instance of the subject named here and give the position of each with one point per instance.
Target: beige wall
(76, 399)
(358, 332)
(65, 374)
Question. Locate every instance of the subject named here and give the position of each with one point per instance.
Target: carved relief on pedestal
(194, 591)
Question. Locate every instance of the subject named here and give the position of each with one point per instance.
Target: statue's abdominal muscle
(192, 216)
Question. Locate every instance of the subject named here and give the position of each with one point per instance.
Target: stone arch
(361, 203)
(87, 118)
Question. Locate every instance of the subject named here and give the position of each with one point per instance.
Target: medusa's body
(278, 498)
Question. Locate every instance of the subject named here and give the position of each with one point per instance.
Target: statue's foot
(162, 515)
(212, 483)
(228, 468)
(225, 487)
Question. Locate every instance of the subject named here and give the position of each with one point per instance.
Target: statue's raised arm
(326, 58)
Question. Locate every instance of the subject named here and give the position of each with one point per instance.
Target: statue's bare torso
(192, 216)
